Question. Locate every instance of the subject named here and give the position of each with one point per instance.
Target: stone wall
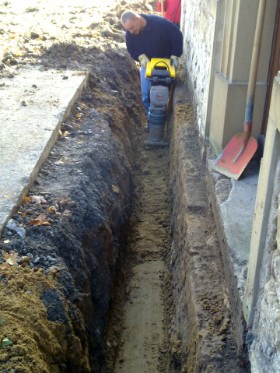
(262, 293)
(264, 340)
(265, 337)
(198, 23)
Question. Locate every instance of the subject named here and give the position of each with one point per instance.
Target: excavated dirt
(103, 282)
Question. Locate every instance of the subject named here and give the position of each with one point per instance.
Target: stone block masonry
(198, 23)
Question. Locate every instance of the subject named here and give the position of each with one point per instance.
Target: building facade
(218, 46)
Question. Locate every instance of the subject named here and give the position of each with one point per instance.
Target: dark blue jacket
(159, 39)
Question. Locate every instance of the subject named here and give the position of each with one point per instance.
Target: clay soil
(94, 286)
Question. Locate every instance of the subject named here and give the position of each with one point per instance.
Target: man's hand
(174, 61)
(143, 59)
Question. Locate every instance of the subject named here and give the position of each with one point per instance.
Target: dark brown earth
(99, 218)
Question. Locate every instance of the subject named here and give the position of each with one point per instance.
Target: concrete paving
(233, 206)
(234, 202)
(33, 105)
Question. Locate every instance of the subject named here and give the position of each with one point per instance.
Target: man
(149, 36)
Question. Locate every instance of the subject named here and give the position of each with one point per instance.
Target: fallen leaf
(67, 213)
(11, 258)
(40, 220)
(26, 199)
(65, 134)
(83, 106)
(115, 189)
(52, 210)
(66, 202)
(60, 161)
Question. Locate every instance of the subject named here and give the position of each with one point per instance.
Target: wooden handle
(254, 63)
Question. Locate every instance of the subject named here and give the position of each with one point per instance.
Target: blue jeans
(145, 90)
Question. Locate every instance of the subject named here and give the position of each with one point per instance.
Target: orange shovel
(241, 148)
(236, 155)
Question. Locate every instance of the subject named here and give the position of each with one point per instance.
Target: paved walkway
(33, 105)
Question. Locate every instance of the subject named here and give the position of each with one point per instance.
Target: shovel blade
(232, 161)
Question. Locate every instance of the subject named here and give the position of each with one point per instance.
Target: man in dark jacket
(149, 36)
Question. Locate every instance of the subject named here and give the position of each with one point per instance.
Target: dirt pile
(202, 329)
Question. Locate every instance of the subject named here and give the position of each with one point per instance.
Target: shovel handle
(254, 62)
(248, 122)
(162, 7)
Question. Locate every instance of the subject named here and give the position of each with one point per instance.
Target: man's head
(133, 22)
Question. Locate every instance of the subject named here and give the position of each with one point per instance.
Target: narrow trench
(139, 328)
(170, 309)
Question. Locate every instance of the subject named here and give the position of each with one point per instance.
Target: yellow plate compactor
(162, 76)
